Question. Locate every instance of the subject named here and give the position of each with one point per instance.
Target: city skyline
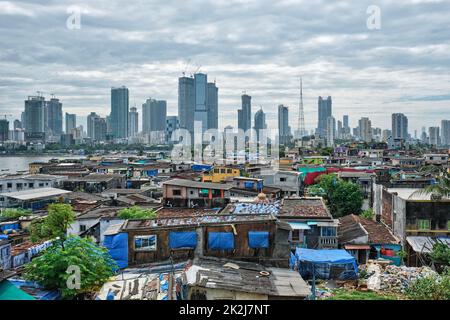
(367, 72)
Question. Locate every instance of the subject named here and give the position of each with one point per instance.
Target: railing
(328, 242)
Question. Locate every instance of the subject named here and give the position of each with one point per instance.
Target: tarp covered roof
(324, 255)
(8, 291)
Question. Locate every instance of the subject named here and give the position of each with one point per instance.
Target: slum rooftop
(35, 193)
(196, 184)
(306, 207)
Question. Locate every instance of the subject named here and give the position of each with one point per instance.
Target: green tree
(367, 214)
(441, 189)
(441, 253)
(328, 184)
(431, 287)
(346, 198)
(55, 224)
(136, 212)
(51, 268)
(14, 213)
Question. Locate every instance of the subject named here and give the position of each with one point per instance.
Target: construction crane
(185, 67)
(7, 115)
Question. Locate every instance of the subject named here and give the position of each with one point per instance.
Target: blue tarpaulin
(152, 173)
(186, 239)
(326, 264)
(258, 239)
(9, 226)
(201, 167)
(221, 241)
(117, 245)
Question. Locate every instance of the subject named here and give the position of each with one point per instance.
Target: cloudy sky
(257, 46)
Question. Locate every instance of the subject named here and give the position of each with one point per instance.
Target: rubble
(394, 279)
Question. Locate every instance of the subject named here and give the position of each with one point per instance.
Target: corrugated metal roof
(35, 193)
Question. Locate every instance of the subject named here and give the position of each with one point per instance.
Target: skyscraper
(134, 122)
(172, 124)
(71, 122)
(331, 131)
(34, 115)
(201, 98)
(90, 124)
(324, 111)
(345, 121)
(260, 122)
(54, 117)
(245, 113)
(399, 126)
(4, 130)
(98, 129)
(434, 138)
(365, 129)
(284, 131)
(154, 114)
(445, 132)
(17, 124)
(186, 103)
(119, 112)
(213, 105)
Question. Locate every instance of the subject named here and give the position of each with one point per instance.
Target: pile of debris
(394, 279)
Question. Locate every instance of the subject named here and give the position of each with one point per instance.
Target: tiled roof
(304, 208)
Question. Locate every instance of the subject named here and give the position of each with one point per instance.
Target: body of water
(12, 164)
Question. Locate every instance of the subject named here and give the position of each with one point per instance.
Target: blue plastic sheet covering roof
(186, 239)
(326, 264)
(9, 226)
(201, 167)
(117, 245)
(35, 290)
(220, 240)
(258, 239)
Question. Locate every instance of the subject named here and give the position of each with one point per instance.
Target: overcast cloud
(257, 46)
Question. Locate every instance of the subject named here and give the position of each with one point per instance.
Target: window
(423, 224)
(203, 192)
(328, 231)
(41, 184)
(176, 192)
(282, 179)
(82, 227)
(222, 171)
(9, 185)
(229, 171)
(145, 243)
(216, 170)
(191, 192)
(31, 185)
(19, 185)
(295, 235)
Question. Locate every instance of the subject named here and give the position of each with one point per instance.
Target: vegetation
(367, 214)
(51, 269)
(343, 197)
(432, 287)
(136, 212)
(440, 254)
(54, 225)
(340, 294)
(14, 213)
(441, 188)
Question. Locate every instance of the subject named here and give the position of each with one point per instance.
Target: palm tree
(441, 189)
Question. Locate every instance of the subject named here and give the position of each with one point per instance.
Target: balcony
(328, 242)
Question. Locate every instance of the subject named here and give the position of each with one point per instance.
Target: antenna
(301, 114)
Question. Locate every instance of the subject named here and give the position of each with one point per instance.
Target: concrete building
(245, 113)
(324, 111)
(119, 112)
(99, 129)
(90, 124)
(172, 124)
(331, 131)
(434, 138)
(445, 132)
(399, 126)
(154, 115)
(260, 122)
(71, 122)
(4, 130)
(54, 118)
(284, 130)
(34, 115)
(134, 122)
(213, 105)
(365, 129)
(186, 103)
